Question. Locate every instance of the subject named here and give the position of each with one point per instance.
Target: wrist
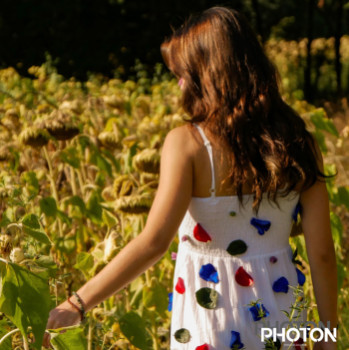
(78, 304)
(73, 306)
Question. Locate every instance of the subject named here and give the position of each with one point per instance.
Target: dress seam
(190, 250)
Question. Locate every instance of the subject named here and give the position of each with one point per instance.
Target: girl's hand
(62, 316)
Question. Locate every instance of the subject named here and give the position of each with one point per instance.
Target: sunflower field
(79, 167)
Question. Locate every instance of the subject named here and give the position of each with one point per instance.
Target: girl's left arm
(168, 209)
(316, 226)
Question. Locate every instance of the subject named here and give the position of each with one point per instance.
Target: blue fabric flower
(281, 285)
(170, 298)
(261, 225)
(300, 277)
(235, 342)
(209, 273)
(296, 211)
(258, 311)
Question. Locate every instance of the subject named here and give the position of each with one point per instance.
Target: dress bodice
(221, 220)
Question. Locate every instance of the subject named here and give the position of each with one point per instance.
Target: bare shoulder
(183, 138)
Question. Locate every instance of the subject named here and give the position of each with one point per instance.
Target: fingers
(46, 341)
(61, 316)
(50, 325)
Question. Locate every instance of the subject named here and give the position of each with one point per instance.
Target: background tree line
(107, 36)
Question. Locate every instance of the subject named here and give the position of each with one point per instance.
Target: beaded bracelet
(76, 307)
(81, 309)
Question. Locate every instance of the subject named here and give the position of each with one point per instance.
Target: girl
(231, 180)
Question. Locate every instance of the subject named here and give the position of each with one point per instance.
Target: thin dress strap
(209, 150)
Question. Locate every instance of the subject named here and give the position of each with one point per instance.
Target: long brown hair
(232, 87)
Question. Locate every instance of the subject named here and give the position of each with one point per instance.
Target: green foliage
(70, 339)
(322, 123)
(84, 262)
(134, 328)
(69, 156)
(48, 206)
(25, 300)
(94, 208)
(328, 136)
(31, 226)
(156, 296)
(59, 202)
(29, 178)
(5, 344)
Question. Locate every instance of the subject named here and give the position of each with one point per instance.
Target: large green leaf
(25, 300)
(343, 195)
(115, 161)
(32, 227)
(299, 242)
(134, 328)
(6, 217)
(342, 271)
(94, 207)
(64, 217)
(32, 183)
(109, 218)
(321, 140)
(337, 229)
(71, 339)
(321, 122)
(78, 202)
(47, 262)
(100, 161)
(4, 329)
(69, 155)
(84, 261)
(156, 296)
(48, 206)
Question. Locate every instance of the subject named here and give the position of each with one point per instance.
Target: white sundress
(234, 271)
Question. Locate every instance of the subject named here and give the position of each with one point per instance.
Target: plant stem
(56, 292)
(147, 278)
(81, 182)
(127, 300)
(8, 334)
(72, 180)
(25, 344)
(105, 335)
(293, 311)
(90, 334)
(153, 330)
(53, 187)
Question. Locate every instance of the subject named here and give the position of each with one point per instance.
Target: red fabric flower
(180, 288)
(203, 347)
(243, 278)
(200, 234)
(298, 344)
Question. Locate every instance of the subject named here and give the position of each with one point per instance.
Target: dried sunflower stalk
(34, 136)
(147, 161)
(135, 204)
(109, 139)
(60, 125)
(123, 186)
